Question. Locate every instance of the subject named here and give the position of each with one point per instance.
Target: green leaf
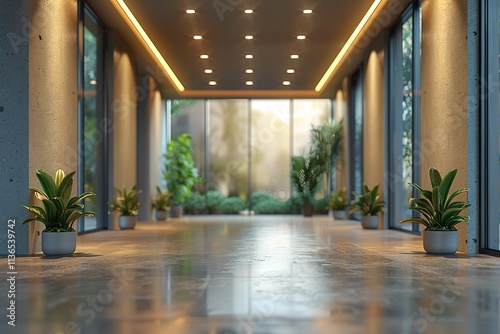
(65, 187)
(415, 220)
(47, 182)
(435, 177)
(444, 187)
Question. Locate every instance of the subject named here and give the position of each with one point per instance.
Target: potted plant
(305, 176)
(327, 141)
(338, 203)
(180, 172)
(439, 213)
(370, 205)
(161, 203)
(127, 204)
(59, 211)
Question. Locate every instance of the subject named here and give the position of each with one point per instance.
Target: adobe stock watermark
(29, 27)
(11, 272)
(223, 6)
(86, 311)
(418, 321)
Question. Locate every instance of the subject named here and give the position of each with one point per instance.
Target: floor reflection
(256, 275)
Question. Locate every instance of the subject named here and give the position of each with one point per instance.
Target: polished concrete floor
(260, 274)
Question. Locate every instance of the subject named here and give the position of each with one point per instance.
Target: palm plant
(163, 199)
(60, 210)
(305, 176)
(326, 141)
(126, 202)
(369, 203)
(437, 210)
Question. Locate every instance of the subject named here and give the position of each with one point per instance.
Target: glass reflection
(189, 117)
(271, 147)
(229, 147)
(407, 115)
(92, 138)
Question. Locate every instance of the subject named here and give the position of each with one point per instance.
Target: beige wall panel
(373, 122)
(53, 89)
(444, 92)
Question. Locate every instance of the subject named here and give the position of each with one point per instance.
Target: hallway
(258, 274)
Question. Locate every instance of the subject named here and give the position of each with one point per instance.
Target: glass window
(306, 114)
(356, 135)
(490, 129)
(403, 123)
(229, 141)
(188, 116)
(270, 148)
(92, 134)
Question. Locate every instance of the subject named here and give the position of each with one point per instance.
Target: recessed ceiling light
(301, 37)
(212, 83)
(248, 37)
(190, 11)
(307, 11)
(290, 71)
(248, 11)
(197, 37)
(93, 82)
(249, 83)
(208, 71)
(204, 56)
(249, 71)
(286, 83)
(294, 56)
(249, 56)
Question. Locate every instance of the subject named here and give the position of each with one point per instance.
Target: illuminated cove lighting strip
(124, 10)
(347, 46)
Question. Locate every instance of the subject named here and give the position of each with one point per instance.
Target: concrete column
(444, 123)
(38, 124)
(14, 125)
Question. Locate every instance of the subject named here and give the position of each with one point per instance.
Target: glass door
(404, 118)
(91, 116)
(356, 137)
(490, 128)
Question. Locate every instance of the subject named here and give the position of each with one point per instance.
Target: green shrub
(231, 205)
(294, 203)
(271, 206)
(194, 204)
(321, 205)
(260, 196)
(214, 198)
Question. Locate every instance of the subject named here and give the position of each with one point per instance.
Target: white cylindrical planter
(58, 243)
(440, 242)
(369, 222)
(127, 222)
(161, 214)
(339, 214)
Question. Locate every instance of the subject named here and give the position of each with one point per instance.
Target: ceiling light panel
(307, 11)
(204, 56)
(197, 37)
(248, 11)
(190, 11)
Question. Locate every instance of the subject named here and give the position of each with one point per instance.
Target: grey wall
(14, 126)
